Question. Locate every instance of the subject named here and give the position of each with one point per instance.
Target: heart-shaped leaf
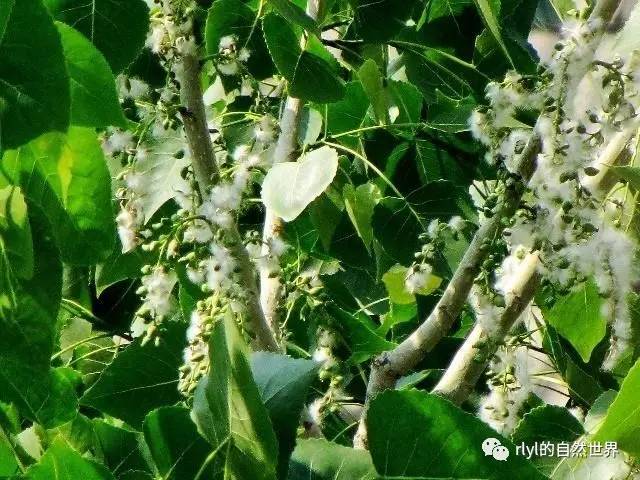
(290, 186)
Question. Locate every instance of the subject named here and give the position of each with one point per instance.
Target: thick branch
(388, 367)
(195, 125)
(206, 173)
(475, 353)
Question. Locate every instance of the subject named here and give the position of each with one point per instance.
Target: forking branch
(388, 367)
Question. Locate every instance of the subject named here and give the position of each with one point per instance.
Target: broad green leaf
(283, 383)
(310, 127)
(234, 17)
(631, 175)
(380, 21)
(373, 84)
(229, 412)
(397, 222)
(66, 175)
(598, 411)
(289, 187)
(547, 422)
(405, 102)
(490, 12)
(118, 448)
(316, 459)
(177, 449)
(117, 27)
(140, 378)
(431, 69)
(578, 318)
(449, 115)
(360, 333)
(360, 202)
(295, 14)
(28, 311)
(121, 266)
(16, 232)
(432, 424)
(590, 468)
(311, 76)
(622, 423)
(315, 81)
(347, 114)
(34, 86)
(394, 281)
(94, 100)
(61, 462)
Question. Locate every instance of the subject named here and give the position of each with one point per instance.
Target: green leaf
(289, 187)
(316, 459)
(121, 266)
(394, 281)
(405, 102)
(311, 76)
(631, 175)
(310, 127)
(295, 14)
(361, 336)
(117, 27)
(382, 20)
(119, 448)
(34, 87)
(140, 378)
(177, 449)
(28, 311)
(360, 202)
(598, 411)
(61, 462)
(16, 232)
(432, 424)
(94, 100)
(373, 84)
(622, 423)
(547, 423)
(67, 176)
(283, 383)
(578, 318)
(234, 17)
(490, 12)
(397, 222)
(347, 114)
(449, 115)
(228, 410)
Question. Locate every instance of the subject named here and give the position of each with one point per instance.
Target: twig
(270, 283)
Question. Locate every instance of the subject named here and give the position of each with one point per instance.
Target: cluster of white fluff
(157, 301)
(587, 99)
(509, 386)
(231, 56)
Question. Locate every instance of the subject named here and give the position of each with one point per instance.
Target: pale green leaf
(289, 187)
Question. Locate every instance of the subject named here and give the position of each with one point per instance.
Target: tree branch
(472, 357)
(475, 353)
(270, 284)
(389, 366)
(206, 172)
